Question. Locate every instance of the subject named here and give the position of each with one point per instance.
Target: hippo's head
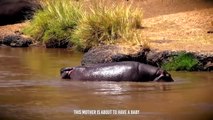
(163, 76)
(65, 72)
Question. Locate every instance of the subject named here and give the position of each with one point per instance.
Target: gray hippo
(116, 71)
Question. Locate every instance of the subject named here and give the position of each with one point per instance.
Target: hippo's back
(117, 71)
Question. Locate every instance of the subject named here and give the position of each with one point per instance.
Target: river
(31, 89)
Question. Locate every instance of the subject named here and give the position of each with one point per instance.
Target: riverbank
(11, 29)
(175, 34)
(167, 32)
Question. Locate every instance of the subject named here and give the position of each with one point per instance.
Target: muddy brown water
(31, 89)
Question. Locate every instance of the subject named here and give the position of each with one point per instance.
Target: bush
(56, 21)
(104, 24)
(184, 61)
(100, 23)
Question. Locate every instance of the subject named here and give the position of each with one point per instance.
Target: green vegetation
(184, 61)
(106, 23)
(55, 21)
(98, 23)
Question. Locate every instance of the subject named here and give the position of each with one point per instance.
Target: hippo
(117, 71)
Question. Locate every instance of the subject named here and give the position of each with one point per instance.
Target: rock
(112, 53)
(155, 58)
(206, 61)
(100, 55)
(208, 66)
(14, 11)
(17, 41)
(53, 43)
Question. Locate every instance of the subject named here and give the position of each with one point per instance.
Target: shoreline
(112, 53)
(118, 53)
(168, 31)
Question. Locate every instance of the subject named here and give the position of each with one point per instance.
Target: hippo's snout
(163, 76)
(167, 78)
(65, 72)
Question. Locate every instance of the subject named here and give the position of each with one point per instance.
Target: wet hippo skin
(116, 71)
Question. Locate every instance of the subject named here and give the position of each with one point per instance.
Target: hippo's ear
(65, 69)
(65, 72)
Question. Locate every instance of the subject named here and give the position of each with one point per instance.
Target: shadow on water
(31, 89)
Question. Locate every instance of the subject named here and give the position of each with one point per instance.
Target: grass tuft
(184, 61)
(99, 22)
(105, 23)
(55, 21)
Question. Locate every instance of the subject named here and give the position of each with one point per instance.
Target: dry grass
(55, 21)
(105, 22)
(133, 41)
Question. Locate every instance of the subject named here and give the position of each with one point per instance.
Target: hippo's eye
(167, 75)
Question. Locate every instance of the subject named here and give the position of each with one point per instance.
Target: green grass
(105, 23)
(55, 21)
(184, 61)
(99, 22)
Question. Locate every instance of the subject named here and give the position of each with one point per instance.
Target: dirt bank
(10, 29)
(181, 31)
(154, 8)
(170, 26)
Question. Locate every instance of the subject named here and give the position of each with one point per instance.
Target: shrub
(55, 21)
(184, 61)
(104, 23)
(99, 23)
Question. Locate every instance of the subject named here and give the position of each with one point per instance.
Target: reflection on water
(31, 89)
